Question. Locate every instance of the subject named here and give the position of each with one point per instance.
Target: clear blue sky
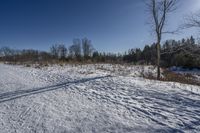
(112, 25)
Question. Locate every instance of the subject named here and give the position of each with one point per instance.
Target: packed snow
(93, 99)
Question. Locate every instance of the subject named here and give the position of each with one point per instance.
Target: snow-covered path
(87, 99)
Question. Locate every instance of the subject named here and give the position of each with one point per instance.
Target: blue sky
(112, 25)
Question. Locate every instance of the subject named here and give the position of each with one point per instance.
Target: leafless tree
(159, 11)
(75, 49)
(58, 51)
(54, 51)
(62, 51)
(87, 47)
(192, 21)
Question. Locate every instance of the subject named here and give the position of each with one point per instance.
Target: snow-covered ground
(94, 99)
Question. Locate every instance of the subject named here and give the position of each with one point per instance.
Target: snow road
(93, 99)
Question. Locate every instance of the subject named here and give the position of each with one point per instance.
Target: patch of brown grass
(169, 76)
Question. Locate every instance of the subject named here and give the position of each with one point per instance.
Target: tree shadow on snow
(22, 93)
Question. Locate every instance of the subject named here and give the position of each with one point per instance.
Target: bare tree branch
(192, 21)
(159, 11)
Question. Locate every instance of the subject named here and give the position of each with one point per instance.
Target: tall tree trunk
(159, 10)
(158, 60)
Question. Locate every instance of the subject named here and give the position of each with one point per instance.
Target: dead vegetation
(169, 76)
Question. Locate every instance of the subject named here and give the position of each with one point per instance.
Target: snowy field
(94, 99)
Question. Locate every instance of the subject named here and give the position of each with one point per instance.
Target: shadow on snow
(22, 93)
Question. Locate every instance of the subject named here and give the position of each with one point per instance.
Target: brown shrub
(175, 77)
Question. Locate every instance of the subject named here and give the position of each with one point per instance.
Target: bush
(27, 65)
(180, 78)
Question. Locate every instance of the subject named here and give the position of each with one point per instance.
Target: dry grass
(169, 76)
(181, 78)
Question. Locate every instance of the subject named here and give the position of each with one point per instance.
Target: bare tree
(159, 11)
(75, 49)
(192, 21)
(62, 51)
(87, 47)
(54, 51)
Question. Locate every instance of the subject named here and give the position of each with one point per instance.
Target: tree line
(185, 52)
